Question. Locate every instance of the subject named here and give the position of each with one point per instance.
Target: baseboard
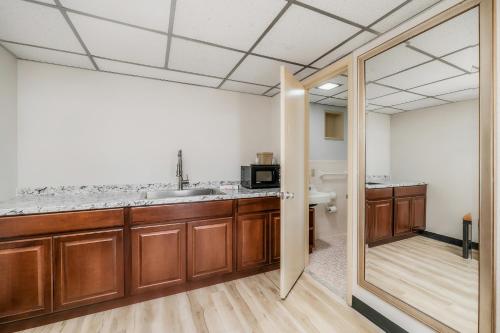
(376, 317)
(447, 239)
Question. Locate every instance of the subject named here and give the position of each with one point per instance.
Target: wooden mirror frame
(486, 316)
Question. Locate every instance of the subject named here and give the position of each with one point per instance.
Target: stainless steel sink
(181, 193)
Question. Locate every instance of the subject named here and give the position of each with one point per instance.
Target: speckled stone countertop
(73, 198)
(394, 184)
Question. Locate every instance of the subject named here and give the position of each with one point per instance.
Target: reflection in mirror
(422, 171)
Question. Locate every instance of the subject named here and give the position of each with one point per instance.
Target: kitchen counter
(395, 184)
(66, 199)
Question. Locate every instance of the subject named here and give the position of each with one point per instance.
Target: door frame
(343, 65)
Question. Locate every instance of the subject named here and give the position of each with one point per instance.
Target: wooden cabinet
(25, 278)
(393, 213)
(379, 220)
(88, 268)
(210, 248)
(95, 260)
(252, 240)
(158, 257)
(312, 238)
(258, 230)
(402, 215)
(419, 204)
(275, 237)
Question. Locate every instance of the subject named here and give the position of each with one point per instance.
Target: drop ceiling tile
(345, 49)
(334, 102)
(49, 56)
(156, 73)
(152, 14)
(261, 70)
(461, 82)
(244, 87)
(201, 58)
(403, 14)
(301, 35)
(371, 107)
(28, 23)
(451, 35)
(461, 95)
(305, 73)
(359, 11)
(342, 95)
(429, 72)
(397, 98)
(391, 61)
(388, 111)
(374, 90)
(234, 23)
(273, 92)
(420, 104)
(116, 41)
(467, 59)
(315, 98)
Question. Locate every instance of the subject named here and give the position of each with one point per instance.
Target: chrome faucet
(180, 179)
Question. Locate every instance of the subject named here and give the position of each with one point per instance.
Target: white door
(293, 212)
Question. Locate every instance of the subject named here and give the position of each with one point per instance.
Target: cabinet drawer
(254, 205)
(29, 225)
(378, 193)
(184, 211)
(410, 191)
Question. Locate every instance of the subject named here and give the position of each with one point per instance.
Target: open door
(293, 212)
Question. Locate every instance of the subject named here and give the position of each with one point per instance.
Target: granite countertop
(65, 199)
(395, 184)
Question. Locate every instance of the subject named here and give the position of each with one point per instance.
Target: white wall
(8, 125)
(440, 145)
(329, 224)
(84, 127)
(319, 147)
(328, 156)
(378, 144)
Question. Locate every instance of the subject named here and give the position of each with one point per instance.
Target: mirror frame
(487, 45)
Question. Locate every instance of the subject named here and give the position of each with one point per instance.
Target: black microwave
(260, 176)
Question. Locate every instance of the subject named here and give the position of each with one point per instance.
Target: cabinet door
(25, 279)
(158, 257)
(88, 268)
(252, 240)
(210, 248)
(402, 215)
(275, 239)
(419, 213)
(379, 217)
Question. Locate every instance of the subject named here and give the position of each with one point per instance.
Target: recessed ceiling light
(328, 86)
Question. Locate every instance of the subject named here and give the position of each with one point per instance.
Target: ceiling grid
(343, 29)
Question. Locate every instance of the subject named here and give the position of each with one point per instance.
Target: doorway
(327, 208)
(328, 184)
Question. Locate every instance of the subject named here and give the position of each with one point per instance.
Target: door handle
(286, 195)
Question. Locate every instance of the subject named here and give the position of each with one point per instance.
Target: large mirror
(422, 172)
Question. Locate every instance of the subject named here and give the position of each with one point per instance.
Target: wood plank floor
(251, 304)
(431, 276)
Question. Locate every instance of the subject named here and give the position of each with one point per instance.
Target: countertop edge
(117, 203)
